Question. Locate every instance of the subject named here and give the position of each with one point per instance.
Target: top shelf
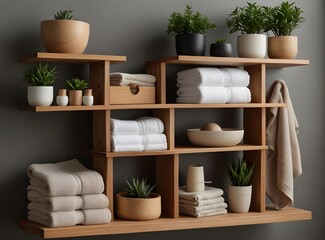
(71, 58)
(229, 61)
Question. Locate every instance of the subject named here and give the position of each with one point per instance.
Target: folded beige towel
(203, 208)
(125, 79)
(203, 213)
(208, 193)
(70, 218)
(66, 203)
(64, 179)
(284, 163)
(201, 202)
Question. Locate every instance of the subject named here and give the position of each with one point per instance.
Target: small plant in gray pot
(41, 76)
(189, 29)
(240, 192)
(221, 48)
(282, 20)
(75, 86)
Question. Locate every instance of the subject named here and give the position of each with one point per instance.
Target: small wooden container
(132, 94)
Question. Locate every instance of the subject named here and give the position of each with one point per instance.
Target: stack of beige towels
(202, 204)
(213, 85)
(66, 194)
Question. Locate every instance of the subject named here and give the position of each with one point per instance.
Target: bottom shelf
(166, 224)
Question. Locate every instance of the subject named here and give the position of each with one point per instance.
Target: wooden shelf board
(70, 58)
(181, 150)
(168, 224)
(64, 108)
(231, 61)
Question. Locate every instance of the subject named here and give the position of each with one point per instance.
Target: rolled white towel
(64, 179)
(235, 77)
(144, 125)
(202, 95)
(70, 218)
(239, 95)
(125, 79)
(200, 77)
(66, 203)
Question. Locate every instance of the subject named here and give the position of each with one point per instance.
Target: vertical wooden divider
(159, 70)
(255, 130)
(99, 82)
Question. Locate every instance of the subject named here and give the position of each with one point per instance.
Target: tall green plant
(40, 74)
(138, 188)
(249, 19)
(283, 19)
(189, 22)
(240, 173)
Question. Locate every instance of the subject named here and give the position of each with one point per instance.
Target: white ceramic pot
(239, 198)
(251, 45)
(195, 178)
(40, 95)
(62, 100)
(88, 100)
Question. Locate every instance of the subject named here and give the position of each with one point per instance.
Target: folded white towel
(204, 213)
(127, 148)
(144, 125)
(70, 218)
(66, 203)
(125, 79)
(64, 179)
(238, 95)
(202, 95)
(202, 208)
(203, 202)
(155, 147)
(200, 77)
(208, 193)
(235, 77)
(138, 139)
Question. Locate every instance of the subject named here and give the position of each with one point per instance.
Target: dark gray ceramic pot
(221, 50)
(190, 44)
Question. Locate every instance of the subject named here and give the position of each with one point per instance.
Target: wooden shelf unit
(167, 162)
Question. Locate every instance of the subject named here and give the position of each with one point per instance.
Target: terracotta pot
(283, 47)
(251, 45)
(141, 209)
(64, 36)
(40, 95)
(75, 97)
(239, 198)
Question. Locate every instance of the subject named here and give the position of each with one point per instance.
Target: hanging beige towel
(284, 163)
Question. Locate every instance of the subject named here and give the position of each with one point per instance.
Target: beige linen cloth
(284, 163)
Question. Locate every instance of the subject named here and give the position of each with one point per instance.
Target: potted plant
(221, 48)
(75, 86)
(240, 192)
(63, 34)
(189, 29)
(281, 21)
(138, 202)
(40, 76)
(250, 22)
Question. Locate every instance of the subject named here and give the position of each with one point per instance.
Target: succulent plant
(240, 173)
(221, 40)
(64, 15)
(138, 188)
(40, 74)
(76, 84)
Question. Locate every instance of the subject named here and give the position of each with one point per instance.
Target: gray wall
(136, 28)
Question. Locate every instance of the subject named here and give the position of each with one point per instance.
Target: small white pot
(251, 45)
(40, 95)
(88, 100)
(239, 198)
(62, 100)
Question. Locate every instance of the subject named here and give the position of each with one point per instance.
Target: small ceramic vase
(88, 98)
(62, 98)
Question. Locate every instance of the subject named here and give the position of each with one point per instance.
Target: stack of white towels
(125, 79)
(66, 194)
(202, 204)
(142, 134)
(213, 85)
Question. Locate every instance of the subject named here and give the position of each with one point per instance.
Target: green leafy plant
(40, 74)
(249, 19)
(240, 173)
(189, 22)
(76, 84)
(64, 15)
(283, 19)
(221, 40)
(138, 188)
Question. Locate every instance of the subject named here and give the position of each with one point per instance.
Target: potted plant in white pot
(250, 22)
(189, 29)
(240, 192)
(63, 34)
(281, 21)
(76, 86)
(221, 48)
(41, 76)
(138, 202)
